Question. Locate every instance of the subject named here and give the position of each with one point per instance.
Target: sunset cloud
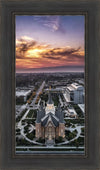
(32, 54)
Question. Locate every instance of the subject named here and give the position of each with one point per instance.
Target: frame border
(85, 14)
(7, 161)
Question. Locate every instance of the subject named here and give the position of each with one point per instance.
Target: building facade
(22, 95)
(50, 122)
(75, 93)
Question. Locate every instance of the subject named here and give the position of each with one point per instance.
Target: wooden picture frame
(7, 88)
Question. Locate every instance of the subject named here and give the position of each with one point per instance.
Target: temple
(50, 122)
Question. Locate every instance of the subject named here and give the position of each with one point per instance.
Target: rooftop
(70, 88)
(72, 111)
(50, 117)
(22, 93)
(74, 86)
(82, 107)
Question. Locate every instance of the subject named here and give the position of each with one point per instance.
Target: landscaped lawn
(78, 110)
(69, 122)
(31, 135)
(23, 142)
(32, 114)
(82, 131)
(77, 142)
(70, 135)
(21, 115)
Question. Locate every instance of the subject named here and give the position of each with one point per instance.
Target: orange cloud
(32, 54)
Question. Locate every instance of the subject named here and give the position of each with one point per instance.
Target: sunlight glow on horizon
(49, 41)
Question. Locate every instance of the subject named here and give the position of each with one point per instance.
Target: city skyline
(50, 43)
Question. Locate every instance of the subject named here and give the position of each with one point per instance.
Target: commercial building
(74, 94)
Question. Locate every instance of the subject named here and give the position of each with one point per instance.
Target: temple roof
(59, 114)
(38, 119)
(50, 101)
(40, 114)
(56, 118)
(61, 118)
(50, 117)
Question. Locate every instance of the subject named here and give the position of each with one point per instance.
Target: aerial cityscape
(50, 86)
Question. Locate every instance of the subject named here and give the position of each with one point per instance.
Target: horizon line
(52, 72)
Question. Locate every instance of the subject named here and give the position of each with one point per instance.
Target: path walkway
(78, 128)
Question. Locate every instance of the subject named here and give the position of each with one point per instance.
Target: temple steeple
(50, 101)
(50, 105)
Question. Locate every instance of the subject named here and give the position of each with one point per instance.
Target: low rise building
(22, 95)
(71, 112)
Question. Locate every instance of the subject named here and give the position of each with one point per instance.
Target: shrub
(82, 131)
(77, 142)
(59, 139)
(70, 135)
(31, 135)
(22, 142)
(21, 115)
(78, 111)
(41, 140)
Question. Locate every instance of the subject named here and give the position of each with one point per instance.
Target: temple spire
(50, 101)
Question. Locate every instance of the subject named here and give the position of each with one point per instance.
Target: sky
(50, 43)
